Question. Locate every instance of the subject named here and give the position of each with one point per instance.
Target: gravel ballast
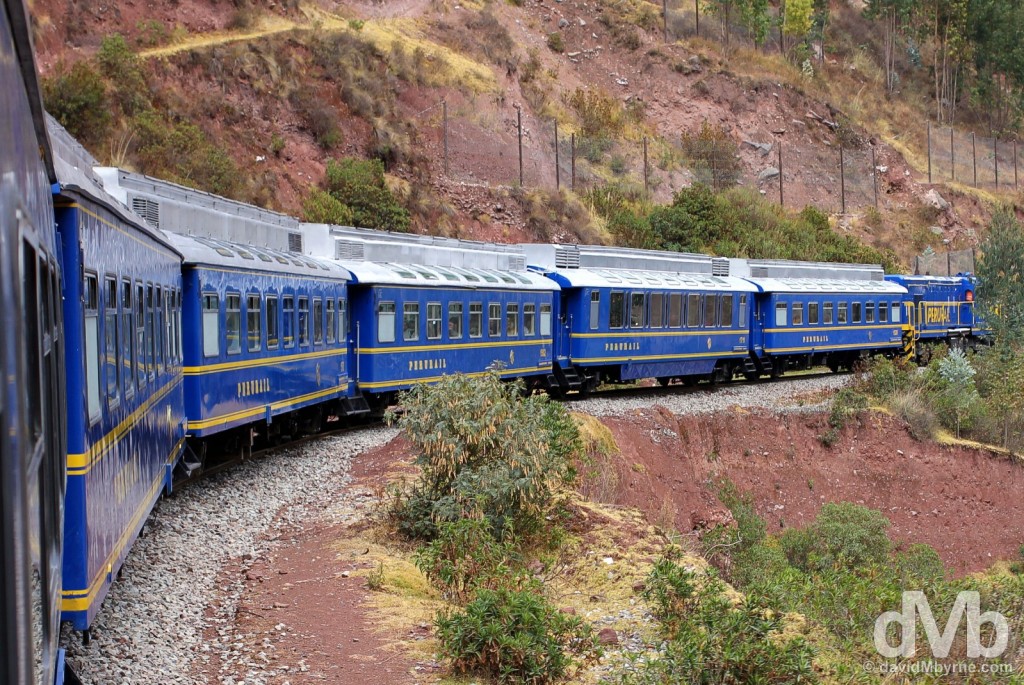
(704, 400)
(150, 627)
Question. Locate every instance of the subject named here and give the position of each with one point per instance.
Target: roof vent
(148, 210)
(758, 272)
(567, 257)
(517, 262)
(295, 242)
(719, 266)
(347, 249)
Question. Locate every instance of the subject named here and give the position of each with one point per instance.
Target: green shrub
(77, 98)
(320, 118)
(181, 152)
(513, 636)
(912, 407)
(886, 377)
(485, 452)
(713, 155)
(466, 557)
(320, 207)
(555, 42)
(359, 185)
(601, 116)
(123, 69)
(842, 535)
(847, 403)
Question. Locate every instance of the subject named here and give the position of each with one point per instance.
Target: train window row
(140, 337)
(274, 316)
(822, 313)
(668, 310)
(533, 317)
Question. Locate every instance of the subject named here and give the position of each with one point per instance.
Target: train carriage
(32, 474)
(269, 350)
(940, 308)
(125, 418)
(428, 307)
(631, 314)
(809, 314)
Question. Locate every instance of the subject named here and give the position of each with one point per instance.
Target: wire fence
(931, 263)
(970, 159)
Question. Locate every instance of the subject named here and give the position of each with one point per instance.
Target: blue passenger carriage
(269, 352)
(940, 309)
(630, 314)
(125, 418)
(808, 314)
(32, 394)
(428, 307)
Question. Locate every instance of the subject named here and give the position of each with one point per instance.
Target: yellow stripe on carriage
(666, 333)
(433, 379)
(262, 361)
(456, 346)
(261, 410)
(81, 600)
(825, 347)
(79, 464)
(644, 357)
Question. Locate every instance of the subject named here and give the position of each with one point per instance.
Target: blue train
(146, 323)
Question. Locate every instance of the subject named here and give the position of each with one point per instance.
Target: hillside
(252, 101)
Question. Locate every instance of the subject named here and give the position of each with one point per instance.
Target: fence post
(696, 14)
(519, 127)
(974, 155)
(1015, 164)
(949, 264)
(714, 165)
(929, 154)
(842, 180)
(558, 176)
(444, 110)
(995, 157)
(874, 173)
(952, 154)
(664, 10)
(572, 156)
(647, 185)
(781, 202)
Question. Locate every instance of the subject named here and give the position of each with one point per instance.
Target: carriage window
(827, 312)
(411, 321)
(883, 312)
(476, 319)
(110, 335)
(433, 321)
(127, 338)
(693, 311)
(253, 327)
(318, 321)
(158, 328)
(140, 335)
(332, 325)
(798, 313)
(92, 343)
(455, 320)
(743, 312)
(529, 319)
(727, 310)
(812, 313)
(637, 304)
(342, 320)
(288, 321)
(675, 310)
(617, 311)
(272, 322)
(895, 312)
(869, 312)
(386, 322)
(710, 311)
(512, 320)
(494, 320)
(595, 310)
(303, 321)
(781, 310)
(211, 325)
(842, 313)
(855, 314)
(150, 333)
(233, 322)
(545, 319)
(657, 310)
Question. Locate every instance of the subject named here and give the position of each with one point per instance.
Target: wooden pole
(519, 126)
(444, 109)
(572, 155)
(842, 180)
(647, 185)
(664, 11)
(1015, 164)
(782, 203)
(995, 157)
(952, 154)
(929, 153)
(696, 15)
(558, 175)
(874, 173)
(974, 154)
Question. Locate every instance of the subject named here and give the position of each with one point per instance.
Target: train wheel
(664, 381)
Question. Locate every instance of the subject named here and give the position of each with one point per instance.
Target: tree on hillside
(1001, 277)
